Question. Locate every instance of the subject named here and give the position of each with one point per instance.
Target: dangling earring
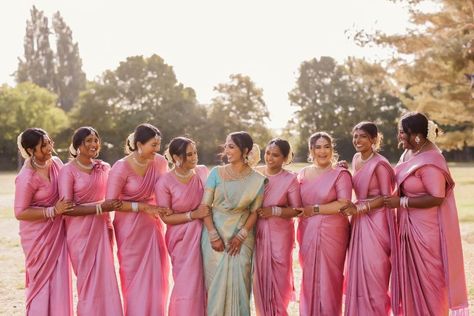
(78, 152)
(417, 139)
(139, 151)
(373, 147)
(178, 163)
(310, 158)
(246, 160)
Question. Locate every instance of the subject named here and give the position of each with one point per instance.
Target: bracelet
(49, 212)
(316, 209)
(300, 212)
(98, 209)
(242, 234)
(360, 207)
(134, 206)
(368, 206)
(213, 235)
(276, 211)
(188, 216)
(404, 201)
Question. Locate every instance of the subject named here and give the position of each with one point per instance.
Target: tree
(70, 79)
(333, 98)
(239, 105)
(38, 64)
(59, 72)
(429, 67)
(139, 90)
(23, 106)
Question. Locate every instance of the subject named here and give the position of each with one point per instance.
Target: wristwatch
(316, 209)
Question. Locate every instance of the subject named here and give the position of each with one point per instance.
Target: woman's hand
(156, 211)
(234, 246)
(201, 212)
(392, 201)
(110, 205)
(349, 209)
(343, 164)
(218, 245)
(264, 212)
(63, 206)
(306, 211)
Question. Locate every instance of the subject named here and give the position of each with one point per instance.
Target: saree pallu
(47, 267)
(228, 278)
(89, 240)
(431, 261)
(141, 249)
(273, 286)
(323, 241)
(372, 256)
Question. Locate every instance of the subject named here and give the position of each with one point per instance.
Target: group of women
(393, 248)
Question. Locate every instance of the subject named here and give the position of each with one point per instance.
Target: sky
(207, 40)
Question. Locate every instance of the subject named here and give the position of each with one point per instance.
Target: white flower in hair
(254, 156)
(131, 141)
(432, 127)
(23, 152)
(168, 156)
(72, 150)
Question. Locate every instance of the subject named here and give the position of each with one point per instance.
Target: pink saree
(273, 274)
(372, 255)
(323, 243)
(47, 267)
(184, 242)
(431, 261)
(141, 248)
(89, 241)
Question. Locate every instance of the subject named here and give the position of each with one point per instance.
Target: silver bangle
(134, 206)
(213, 235)
(242, 234)
(98, 209)
(188, 216)
(276, 211)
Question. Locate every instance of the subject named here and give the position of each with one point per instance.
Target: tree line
(52, 92)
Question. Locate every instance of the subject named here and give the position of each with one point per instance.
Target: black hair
(80, 136)
(31, 137)
(414, 123)
(178, 145)
(371, 129)
(314, 138)
(142, 133)
(284, 146)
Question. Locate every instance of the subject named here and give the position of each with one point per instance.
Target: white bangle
(404, 201)
(242, 234)
(134, 206)
(98, 209)
(360, 207)
(213, 235)
(276, 211)
(49, 212)
(188, 216)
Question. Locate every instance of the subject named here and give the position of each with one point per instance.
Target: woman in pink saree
(323, 232)
(42, 233)
(142, 256)
(372, 256)
(88, 229)
(181, 190)
(275, 237)
(431, 261)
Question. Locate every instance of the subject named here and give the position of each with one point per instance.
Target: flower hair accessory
(72, 150)
(131, 141)
(168, 156)
(254, 156)
(291, 155)
(432, 131)
(23, 152)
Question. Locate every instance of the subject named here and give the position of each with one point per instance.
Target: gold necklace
(272, 175)
(183, 176)
(236, 176)
(416, 152)
(363, 161)
(87, 167)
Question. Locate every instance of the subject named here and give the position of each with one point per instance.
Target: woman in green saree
(234, 192)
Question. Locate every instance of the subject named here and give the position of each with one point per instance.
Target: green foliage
(23, 106)
(239, 105)
(333, 98)
(59, 72)
(428, 70)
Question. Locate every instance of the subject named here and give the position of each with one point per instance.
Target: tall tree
(431, 60)
(38, 64)
(333, 98)
(23, 106)
(70, 79)
(239, 105)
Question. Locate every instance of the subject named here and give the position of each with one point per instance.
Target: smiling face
(191, 157)
(90, 147)
(150, 148)
(362, 141)
(44, 150)
(405, 140)
(232, 151)
(322, 152)
(274, 158)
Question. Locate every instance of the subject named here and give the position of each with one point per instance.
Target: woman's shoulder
(160, 159)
